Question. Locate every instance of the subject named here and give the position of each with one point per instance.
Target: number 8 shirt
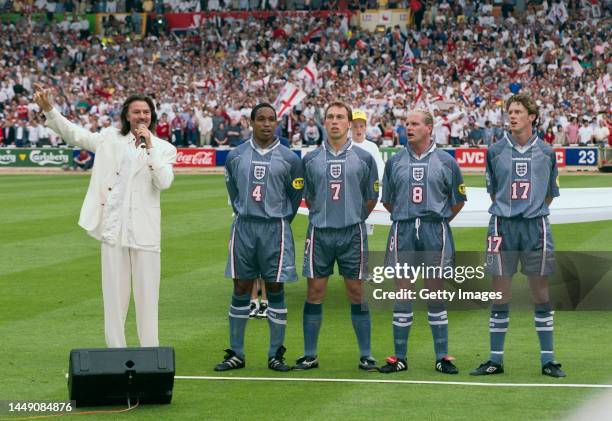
(422, 190)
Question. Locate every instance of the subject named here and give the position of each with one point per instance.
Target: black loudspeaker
(111, 376)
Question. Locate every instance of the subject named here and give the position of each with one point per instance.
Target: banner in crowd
(109, 23)
(477, 157)
(370, 19)
(195, 157)
(57, 17)
(42, 157)
(183, 21)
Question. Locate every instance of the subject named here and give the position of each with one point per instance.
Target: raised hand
(43, 98)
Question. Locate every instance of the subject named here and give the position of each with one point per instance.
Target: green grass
(51, 303)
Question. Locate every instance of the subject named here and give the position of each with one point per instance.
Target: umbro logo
(491, 369)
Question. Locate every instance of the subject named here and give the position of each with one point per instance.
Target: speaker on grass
(111, 376)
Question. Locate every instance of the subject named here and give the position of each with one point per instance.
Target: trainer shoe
(445, 365)
(487, 368)
(231, 361)
(262, 313)
(306, 363)
(553, 369)
(253, 310)
(277, 362)
(367, 364)
(393, 365)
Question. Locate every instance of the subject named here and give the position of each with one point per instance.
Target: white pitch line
(302, 379)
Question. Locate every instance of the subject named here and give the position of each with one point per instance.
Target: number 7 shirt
(521, 177)
(425, 186)
(338, 185)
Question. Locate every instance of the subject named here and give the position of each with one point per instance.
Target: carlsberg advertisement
(44, 157)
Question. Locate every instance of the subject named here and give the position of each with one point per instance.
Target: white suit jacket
(145, 182)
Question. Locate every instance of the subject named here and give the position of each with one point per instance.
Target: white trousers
(122, 268)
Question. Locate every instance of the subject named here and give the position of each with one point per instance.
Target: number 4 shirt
(423, 186)
(264, 183)
(521, 177)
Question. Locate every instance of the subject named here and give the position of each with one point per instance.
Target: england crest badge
(521, 169)
(418, 173)
(259, 172)
(335, 170)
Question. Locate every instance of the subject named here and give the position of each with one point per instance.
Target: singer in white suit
(121, 209)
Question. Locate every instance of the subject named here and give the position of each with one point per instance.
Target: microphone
(142, 139)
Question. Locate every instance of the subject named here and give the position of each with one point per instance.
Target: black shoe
(306, 363)
(262, 313)
(487, 368)
(253, 309)
(277, 362)
(231, 361)
(445, 365)
(553, 369)
(367, 364)
(394, 365)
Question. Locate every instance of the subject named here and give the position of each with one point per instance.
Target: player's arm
(387, 195)
(68, 131)
(553, 183)
(309, 182)
(380, 165)
(458, 192)
(489, 176)
(456, 208)
(295, 189)
(230, 182)
(373, 186)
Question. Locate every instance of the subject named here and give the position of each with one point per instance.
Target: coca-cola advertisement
(195, 158)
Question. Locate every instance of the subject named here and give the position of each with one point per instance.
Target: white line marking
(301, 379)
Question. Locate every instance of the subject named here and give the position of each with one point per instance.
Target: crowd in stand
(205, 81)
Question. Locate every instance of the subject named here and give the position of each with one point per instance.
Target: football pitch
(51, 303)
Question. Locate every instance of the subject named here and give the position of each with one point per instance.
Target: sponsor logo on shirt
(298, 183)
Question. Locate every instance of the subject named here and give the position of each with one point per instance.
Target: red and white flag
(288, 98)
(315, 33)
(310, 72)
(386, 80)
(206, 84)
(419, 89)
(578, 70)
(603, 84)
(402, 84)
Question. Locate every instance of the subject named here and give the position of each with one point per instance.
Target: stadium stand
(467, 58)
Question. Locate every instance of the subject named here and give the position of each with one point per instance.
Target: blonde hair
(427, 117)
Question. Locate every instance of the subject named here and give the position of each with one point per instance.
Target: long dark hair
(125, 124)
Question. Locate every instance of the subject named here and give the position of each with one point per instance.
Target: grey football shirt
(422, 187)
(521, 177)
(264, 183)
(338, 185)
